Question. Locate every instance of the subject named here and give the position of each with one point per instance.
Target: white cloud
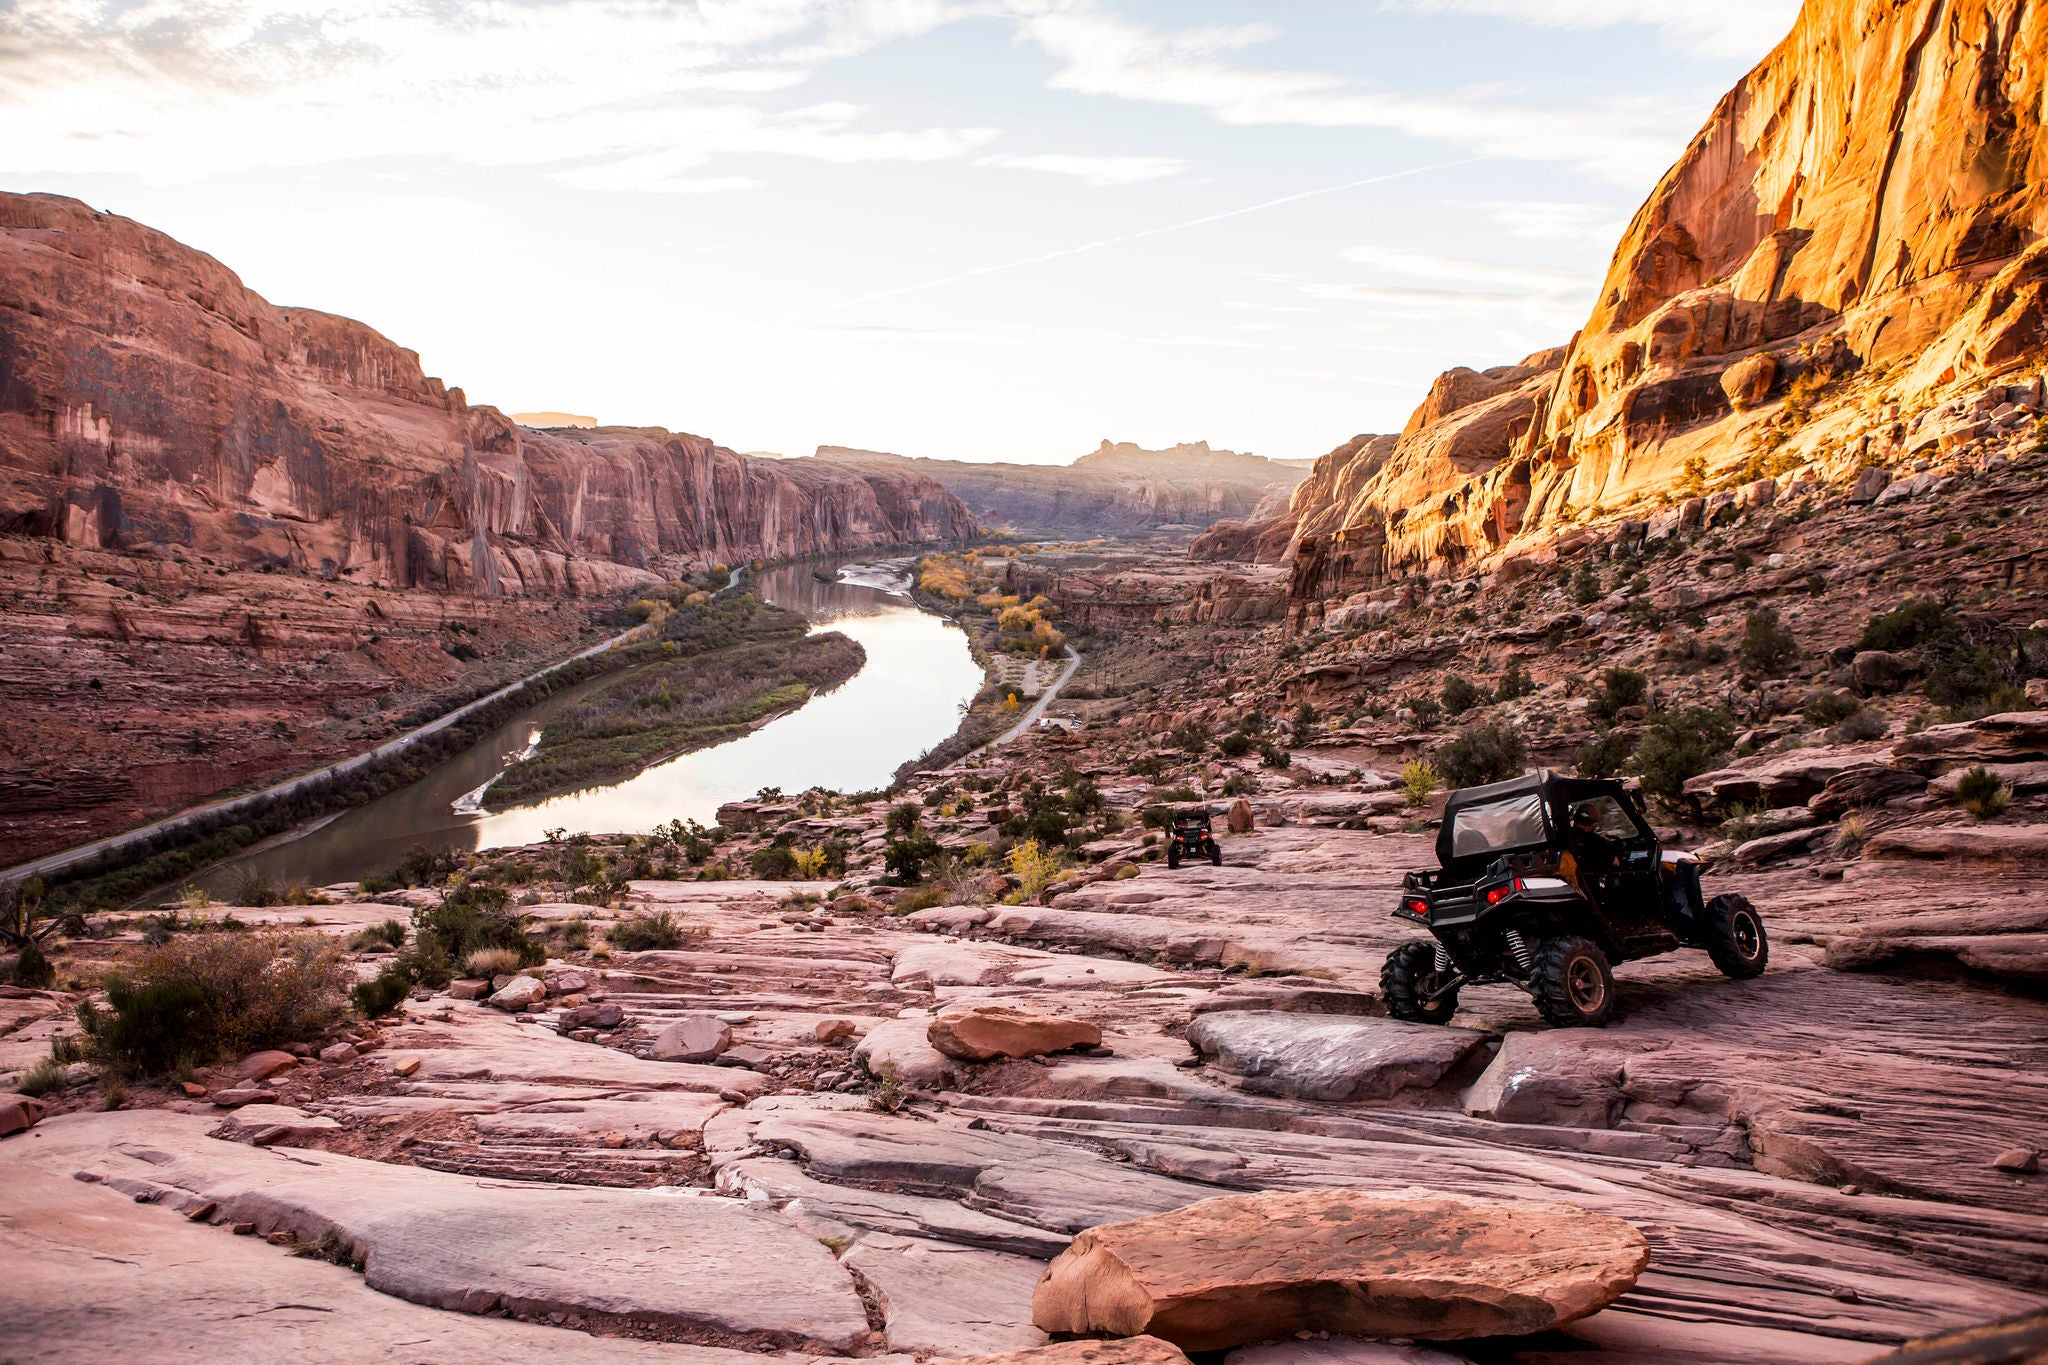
(1723, 28)
(1457, 269)
(1095, 170)
(1630, 140)
(599, 91)
(1552, 220)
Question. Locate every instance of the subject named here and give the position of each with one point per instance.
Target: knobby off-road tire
(1172, 854)
(1406, 982)
(1735, 937)
(1574, 985)
(1216, 854)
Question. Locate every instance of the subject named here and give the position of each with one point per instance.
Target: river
(907, 697)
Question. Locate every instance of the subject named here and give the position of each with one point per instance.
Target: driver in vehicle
(1589, 854)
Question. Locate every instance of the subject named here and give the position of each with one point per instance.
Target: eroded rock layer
(148, 400)
(1851, 236)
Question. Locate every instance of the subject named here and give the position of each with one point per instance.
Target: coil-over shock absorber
(1443, 960)
(1520, 951)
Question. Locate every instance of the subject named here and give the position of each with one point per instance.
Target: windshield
(1514, 823)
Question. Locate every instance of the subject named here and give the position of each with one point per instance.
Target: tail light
(1496, 895)
(1418, 907)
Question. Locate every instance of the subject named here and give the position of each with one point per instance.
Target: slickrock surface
(1244, 1268)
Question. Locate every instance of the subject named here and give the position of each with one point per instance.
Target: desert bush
(40, 1079)
(1189, 738)
(1461, 695)
(1864, 723)
(905, 858)
(1034, 866)
(1619, 689)
(775, 863)
(1240, 784)
(1514, 682)
(469, 917)
(1851, 833)
(643, 932)
(1681, 743)
(1831, 708)
(251, 888)
(390, 934)
(487, 963)
(923, 898)
(1236, 744)
(1419, 781)
(1982, 793)
(1480, 754)
(1767, 646)
(1273, 756)
(903, 819)
(379, 996)
(1427, 710)
(32, 968)
(1604, 757)
(197, 999)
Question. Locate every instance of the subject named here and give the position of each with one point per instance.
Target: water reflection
(907, 698)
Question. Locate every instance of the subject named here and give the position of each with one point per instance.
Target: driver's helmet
(1585, 819)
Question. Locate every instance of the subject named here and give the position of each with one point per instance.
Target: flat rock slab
(640, 1118)
(1320, 1057)
(692, 1038)
(947, 1300)
(1411, 1263)
(1563, 1079)
(986, 1032)
(705, 1266)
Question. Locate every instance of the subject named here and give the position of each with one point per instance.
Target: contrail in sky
(1155, 232)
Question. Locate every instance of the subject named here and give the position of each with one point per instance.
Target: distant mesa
(544, 420)
(1117, 488)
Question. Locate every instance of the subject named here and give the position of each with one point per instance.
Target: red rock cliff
(1865, 201)
(147, 398)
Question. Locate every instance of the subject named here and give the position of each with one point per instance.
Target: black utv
(1546, 882)
(1192, 837)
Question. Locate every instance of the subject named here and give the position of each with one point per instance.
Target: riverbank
(742, 665)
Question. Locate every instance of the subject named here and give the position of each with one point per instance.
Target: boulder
(591, 1016)
(1870, 481)
(833, 1030)
(2013, 737)
(1877, 670)
(1325, 1057)
(1240, 818)
(19, 1113)
(235, 1097)
(1748, 382)
(338, 1052)
(261, 1066)
(1408, 1263)
(522, 992)
(900, 1049)
(568, 983)
(1559, 1080)
(692, 1038)
(1756, 852)
(469, 990)
(986, 1032)
(2017, 1161)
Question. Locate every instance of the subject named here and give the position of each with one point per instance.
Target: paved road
(114, 843)
(1045, 699)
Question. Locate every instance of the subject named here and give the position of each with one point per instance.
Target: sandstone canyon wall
(148, 400)
(1858, 222)
(1116, 489)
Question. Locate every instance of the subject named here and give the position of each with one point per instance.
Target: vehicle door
(1622, 879)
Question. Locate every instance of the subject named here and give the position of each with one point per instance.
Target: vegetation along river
(906, 698)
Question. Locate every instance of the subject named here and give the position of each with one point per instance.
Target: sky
(966, 229)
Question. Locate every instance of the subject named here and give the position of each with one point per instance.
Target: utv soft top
(1547, 797)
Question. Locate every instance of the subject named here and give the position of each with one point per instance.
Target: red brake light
(1419, 908)
(1502, 892)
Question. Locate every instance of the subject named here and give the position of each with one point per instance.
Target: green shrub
(1620, 688)
(1428, 710)
(1190, 738)
(1767, 646)
(1982, 793)
(1604, 757)
(905, 858)
(389, 934)
(644, 932)
(1419, 781)
(1236, 744)
(1865, 723)
(42, 1078)
(775, 863)
(1461, 695)
(250, 888)
(923, 898)
(1682, 743)
(33, 969)
(1273, 756)
(1480, 754)
(472, 917)
(1831, 708)
(575, 935)
(376, 998)
(194, 1000)
(903, 819)
(1514, 682)
(1240, 784)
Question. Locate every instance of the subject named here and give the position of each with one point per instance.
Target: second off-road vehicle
(1546, 882)
(1192, 837)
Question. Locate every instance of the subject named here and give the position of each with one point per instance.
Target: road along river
(909, 696)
